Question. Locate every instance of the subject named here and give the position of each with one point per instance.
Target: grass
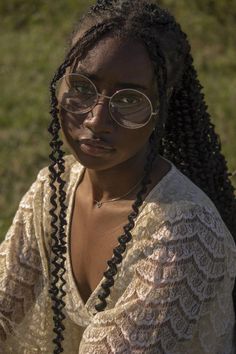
(32, 46)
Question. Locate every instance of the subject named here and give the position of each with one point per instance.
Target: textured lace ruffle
(173, 290)
(179, 283)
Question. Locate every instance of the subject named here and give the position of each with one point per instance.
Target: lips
(95, 147)
(97, 144)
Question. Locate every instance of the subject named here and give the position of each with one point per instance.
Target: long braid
(192, 144)
(155, 140)
(56, 170)
(126, 237)
(58, 242)
(58, 236)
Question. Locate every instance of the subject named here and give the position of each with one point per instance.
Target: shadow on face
(112, 64)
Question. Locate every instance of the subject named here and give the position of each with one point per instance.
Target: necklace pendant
(99, 204)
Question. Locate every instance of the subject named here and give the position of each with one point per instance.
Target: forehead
(119, 60)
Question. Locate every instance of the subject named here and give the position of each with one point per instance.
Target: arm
(21, 265)
(167, 308)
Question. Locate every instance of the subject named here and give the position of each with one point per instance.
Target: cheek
(70, 124)
(134, 141)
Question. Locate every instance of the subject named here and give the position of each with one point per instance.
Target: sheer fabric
(172, 293)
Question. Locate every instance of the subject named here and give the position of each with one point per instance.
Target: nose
(98, 119)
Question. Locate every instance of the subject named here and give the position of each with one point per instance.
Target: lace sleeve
(185, 277)
(20, 265)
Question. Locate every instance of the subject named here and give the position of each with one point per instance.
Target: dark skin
(112, 65)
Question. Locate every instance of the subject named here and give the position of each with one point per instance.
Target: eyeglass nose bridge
(101, 95)
(104, 96)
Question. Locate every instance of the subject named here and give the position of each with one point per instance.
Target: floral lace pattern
(173, 290)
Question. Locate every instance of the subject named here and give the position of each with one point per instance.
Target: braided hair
(183, 133)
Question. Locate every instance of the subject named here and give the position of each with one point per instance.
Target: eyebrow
(94, 77)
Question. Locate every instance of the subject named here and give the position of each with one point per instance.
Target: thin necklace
(99, 204)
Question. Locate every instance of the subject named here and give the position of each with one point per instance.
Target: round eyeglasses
(129, 108)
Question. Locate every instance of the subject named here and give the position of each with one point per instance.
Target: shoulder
(38, 195)
(187, 233)
(176, 187)
(70, 164)
(185, 220)
(188, 247)
(72, 169)
(180, 207)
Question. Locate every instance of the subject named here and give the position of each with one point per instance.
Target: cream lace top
(172, 293)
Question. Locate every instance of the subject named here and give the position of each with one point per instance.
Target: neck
(116, 181)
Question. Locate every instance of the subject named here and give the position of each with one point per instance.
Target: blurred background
(33, 40)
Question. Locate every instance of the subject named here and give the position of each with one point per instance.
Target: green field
(33, 39)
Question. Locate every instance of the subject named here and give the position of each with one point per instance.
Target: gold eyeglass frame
(100, 95)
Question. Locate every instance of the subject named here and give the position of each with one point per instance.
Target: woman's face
(95, 139)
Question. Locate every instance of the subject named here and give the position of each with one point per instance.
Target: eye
(128, 100)
(131, 100)
(82, 88)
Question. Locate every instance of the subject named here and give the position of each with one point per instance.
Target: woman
(130, 108)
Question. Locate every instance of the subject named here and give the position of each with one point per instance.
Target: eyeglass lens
(129, 108)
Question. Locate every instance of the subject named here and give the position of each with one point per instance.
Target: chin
(102, 160)
(97, 163)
